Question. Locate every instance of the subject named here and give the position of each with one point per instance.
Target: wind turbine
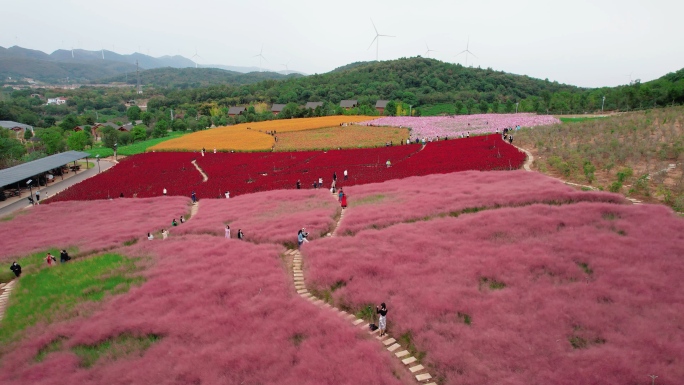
(630, 77)
(286, 68)
(427, 53)
(467, 51)
(261, 56)
(376, 40)
(72, 51)
(194, 56)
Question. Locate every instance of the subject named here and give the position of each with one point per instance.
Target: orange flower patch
(352, 136)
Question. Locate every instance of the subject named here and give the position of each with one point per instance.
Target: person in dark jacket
(382, 321)
(64, 256)
(240, 235)
(16, 269)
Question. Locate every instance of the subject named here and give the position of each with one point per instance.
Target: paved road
(55, 188)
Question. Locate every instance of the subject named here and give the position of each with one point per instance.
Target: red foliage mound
(87, 225)
(273, 216)
(383, 204)
(227, 315)
(583, 293)
(149, 174)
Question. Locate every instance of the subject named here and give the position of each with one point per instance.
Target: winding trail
(294, 259)
(204, 176)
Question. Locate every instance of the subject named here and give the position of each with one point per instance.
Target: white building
(57, 101)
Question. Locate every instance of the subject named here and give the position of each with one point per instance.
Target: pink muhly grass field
(87, 225)
(432, 127)
(624, 309)
(273, 216)
(383, 204)
(228, 315)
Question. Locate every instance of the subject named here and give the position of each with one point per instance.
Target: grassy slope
(47, 294)
(627, 153)
(135, 148)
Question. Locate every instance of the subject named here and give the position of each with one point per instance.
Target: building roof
(29, 170)
(126, 127)
(348, 103)
(381, 103)
(11, 125)
(277, 107)
(236, 110)
(313, 105)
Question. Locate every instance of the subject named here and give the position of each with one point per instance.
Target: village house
(58, 101)
(380, 105)
(348, 104)
(277, 108)
(313, 105)
(233, 111)
(17, 128)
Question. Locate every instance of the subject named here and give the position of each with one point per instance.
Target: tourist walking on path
(240, 235)
(194, 198)
(346, 176)
(343, 201)
(50, 259)
(339, 195)
(334, 176)
(164, 192)
(165, 234)
(150, 236)
(38, 197)
(227, 194)
(228, 231)
(174, 223)
(299, 184)
(182, 219)
(301, 237)
(382, 321)
(16, 268)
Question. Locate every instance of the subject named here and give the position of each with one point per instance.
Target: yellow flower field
(221, 138)
(352, 136)
(250, 136)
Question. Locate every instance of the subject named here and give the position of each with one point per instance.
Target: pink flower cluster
(227, 314)
(272, 216)
(453, 126)
(384, 204)
(522, 295)
(149, 174)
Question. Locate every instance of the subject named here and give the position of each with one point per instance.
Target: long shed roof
(31, 169)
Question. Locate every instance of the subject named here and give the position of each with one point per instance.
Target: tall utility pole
(602, 103)
(137, 72)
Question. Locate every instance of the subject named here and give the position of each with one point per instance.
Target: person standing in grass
(334, 176)
(150, 236)
(299, 184)
(346, 176)
(182, 219)
(340, 195)
(194, 198)
(164, 192)
(165, 234)
(50, 259)
(382, 320)
(227, 194)
(301, 237)
(64, 256)
(228, 231)
(16, 269)
(240, 235)
(343, 201)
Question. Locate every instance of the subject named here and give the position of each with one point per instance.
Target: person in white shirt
(164, 191)
(150, 236)
(345, 175)
(227, 194)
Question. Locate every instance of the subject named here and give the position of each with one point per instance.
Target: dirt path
(5, 290)
(294, 259)
(204, 176)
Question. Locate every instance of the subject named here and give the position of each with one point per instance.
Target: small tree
(138, 132)
(28, 134)
(179, 125)
(77, 141)
(133, 113)
(161, 129)
(391, 108)
(484, 107)
(110, 136)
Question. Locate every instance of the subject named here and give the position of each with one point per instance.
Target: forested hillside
(183, 78)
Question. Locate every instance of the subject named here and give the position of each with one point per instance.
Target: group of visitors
(36, 201)
(507, 136)
(51, 260)
(240, 234)
(164, 232)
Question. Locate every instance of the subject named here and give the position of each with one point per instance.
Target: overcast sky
(585, 43)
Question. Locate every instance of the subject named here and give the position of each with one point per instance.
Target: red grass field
(147, 175)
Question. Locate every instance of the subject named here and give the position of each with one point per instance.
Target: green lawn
(579, 119)
(48, 294)
(135, 148)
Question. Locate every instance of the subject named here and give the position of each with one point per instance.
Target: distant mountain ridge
(80, 65)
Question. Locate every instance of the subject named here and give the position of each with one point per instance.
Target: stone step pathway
(5, 291)
(390, 344)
